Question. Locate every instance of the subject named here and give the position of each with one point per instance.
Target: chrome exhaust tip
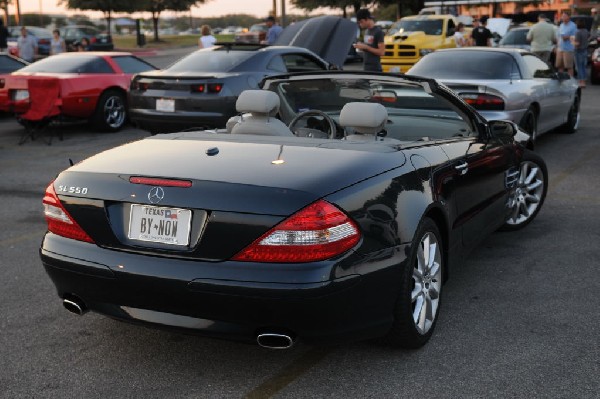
(275, 341)
(75, 305)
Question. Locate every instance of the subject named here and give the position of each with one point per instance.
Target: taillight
(93, 39)
(139, 86)
(58, 219)
(201, 88)
(2, 83)
(44, 41)
(319, 231)
(215, 87)
(483, 102)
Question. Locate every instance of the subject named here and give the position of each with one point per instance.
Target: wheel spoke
(432, 252)
(416, 292)
(435, 269)
(534, 185)
(418, 309)
(533, 199)
(531, 175)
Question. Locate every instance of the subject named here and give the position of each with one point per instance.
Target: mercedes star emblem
(156, 195)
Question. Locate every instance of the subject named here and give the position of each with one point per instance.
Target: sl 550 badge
(72, 189)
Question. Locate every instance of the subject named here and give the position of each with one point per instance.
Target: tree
(108, 7)
(155, 7)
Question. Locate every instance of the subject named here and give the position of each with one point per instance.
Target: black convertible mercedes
(332, 208)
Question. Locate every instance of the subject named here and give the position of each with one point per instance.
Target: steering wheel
(309, 132)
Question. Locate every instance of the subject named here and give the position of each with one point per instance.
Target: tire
(419, 300)
(573, 118)
(529, 194)
(529, 124)
(111, 112)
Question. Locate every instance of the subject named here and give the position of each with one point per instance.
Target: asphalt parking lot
(520, 318)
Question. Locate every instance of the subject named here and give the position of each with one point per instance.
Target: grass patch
(168, 41)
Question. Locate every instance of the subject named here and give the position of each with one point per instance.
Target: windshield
(467, 64)
(430, 27)
(413, 113)
(515, 37)
(217, 60)
(70, 64)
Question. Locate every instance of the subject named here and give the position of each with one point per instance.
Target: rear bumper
(314, 302)
(164, 122)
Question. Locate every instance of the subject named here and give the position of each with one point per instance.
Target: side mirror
(504, 130)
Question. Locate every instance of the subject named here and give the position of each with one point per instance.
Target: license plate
(165, 105)
(159, 224)
(21, 95)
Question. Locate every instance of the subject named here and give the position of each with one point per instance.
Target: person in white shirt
(459, 35)
(207, 39)
(27, 46)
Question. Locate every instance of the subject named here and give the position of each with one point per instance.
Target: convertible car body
(333, 209)
(91, 85)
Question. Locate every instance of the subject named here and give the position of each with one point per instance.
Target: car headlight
(596, 55)
(424, 51)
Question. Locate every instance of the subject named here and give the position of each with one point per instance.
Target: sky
(211, 8)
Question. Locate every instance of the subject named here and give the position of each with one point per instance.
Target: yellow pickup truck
(412, 37)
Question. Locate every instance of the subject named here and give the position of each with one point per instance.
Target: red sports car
(90, 85)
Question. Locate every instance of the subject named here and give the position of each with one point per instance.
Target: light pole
(17, 13)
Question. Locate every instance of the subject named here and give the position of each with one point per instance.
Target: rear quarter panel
(80, 93)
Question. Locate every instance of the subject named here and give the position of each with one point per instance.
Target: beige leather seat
(258, 108)
(364, 119)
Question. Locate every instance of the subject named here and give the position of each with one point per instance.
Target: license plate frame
(155, 224)
(165, 104)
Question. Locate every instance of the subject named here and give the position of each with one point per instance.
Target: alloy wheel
(528, 193)
(427, 283)
(114, 112)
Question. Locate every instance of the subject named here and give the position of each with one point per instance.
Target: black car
(98, 41)
(200, 90)
(333, 209)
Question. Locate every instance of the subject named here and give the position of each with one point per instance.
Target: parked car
(41, 35)
(93, 86)
(200, 90)
(517, 38)
(8, 64)
(595, 67)
(98, 40)
(256, 34)
(508, 83)
(333, 211)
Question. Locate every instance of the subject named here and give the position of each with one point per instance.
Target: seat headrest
(365, 118)
(258, 102)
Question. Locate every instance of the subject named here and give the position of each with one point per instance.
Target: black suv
(98, 41)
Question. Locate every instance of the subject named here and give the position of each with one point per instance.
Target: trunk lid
(237, 193)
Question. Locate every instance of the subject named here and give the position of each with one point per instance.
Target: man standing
(27, 46)
(565, 50)
(542, 37)
(273, 32)
(372, 47)
(481, 35)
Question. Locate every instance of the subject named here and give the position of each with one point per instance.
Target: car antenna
(71, 162)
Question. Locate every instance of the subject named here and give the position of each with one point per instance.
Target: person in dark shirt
(373, 47)
(3, 36)
(481, 35)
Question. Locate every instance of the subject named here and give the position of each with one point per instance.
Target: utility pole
(283, 21)
(274, 9)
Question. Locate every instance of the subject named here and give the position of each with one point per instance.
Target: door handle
(462, 168)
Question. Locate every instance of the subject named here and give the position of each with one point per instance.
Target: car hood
(328, 36)
(223, 166)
